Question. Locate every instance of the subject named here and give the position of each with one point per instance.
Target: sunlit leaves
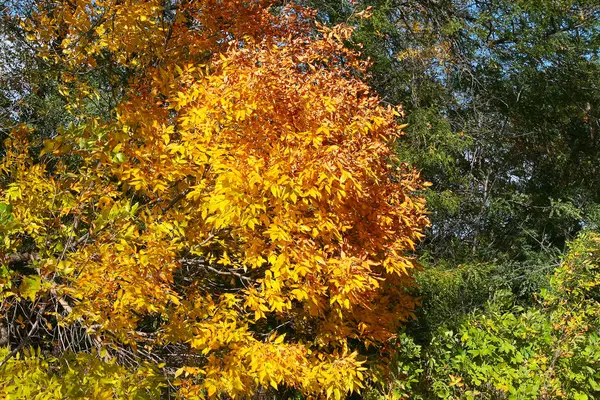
(242, 205)
(529, 353)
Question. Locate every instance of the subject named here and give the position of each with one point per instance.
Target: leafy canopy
(237, 219)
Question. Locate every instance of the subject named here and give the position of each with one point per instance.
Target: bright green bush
(543, 352)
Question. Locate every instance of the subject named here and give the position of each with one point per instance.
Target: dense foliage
(503, 105)
(548, 350)
(233, 219)
(218, 199)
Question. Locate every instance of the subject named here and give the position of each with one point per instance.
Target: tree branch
(25, 340)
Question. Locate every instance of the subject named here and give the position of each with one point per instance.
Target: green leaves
(516, 352)
(5, 214)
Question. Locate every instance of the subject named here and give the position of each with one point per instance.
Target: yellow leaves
(274, 190)
(456, 381)
(224, 260)
(65, 267)
(211, 389)
(175, 300)
(30, 376)
(279, 339)
(240, 115)
(187, 371)
(334, 393)
(299, 294)
(100, 30)
(263, 198)
(30, 286)
(277, 234)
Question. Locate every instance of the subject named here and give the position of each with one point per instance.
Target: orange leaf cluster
(243, 194)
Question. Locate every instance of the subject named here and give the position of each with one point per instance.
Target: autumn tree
(220, 213)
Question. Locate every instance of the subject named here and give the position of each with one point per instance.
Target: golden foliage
(243, 196)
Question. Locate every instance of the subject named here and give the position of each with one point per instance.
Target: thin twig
(24, 341)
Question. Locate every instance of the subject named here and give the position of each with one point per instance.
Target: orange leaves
(242, 189)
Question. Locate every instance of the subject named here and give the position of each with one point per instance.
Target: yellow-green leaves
(30, 286)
